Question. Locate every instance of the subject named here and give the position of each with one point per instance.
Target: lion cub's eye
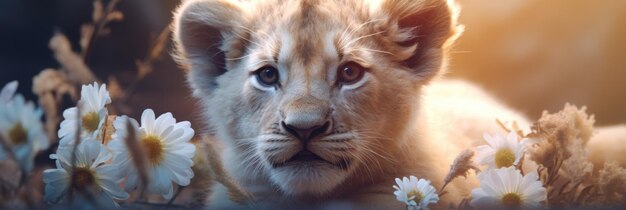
(267, 75)
(350, 73)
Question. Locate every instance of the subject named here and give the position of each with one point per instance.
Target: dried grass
(611, 184)
(564, 164)
(50, 86)
(460, 167)
(72, 64)
(562, 130)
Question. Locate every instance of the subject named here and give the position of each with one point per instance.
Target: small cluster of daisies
(20, 128)
(107, 171)
(502, 185)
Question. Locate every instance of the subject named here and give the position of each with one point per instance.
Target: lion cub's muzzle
(305, 126)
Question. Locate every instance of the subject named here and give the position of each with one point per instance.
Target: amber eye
(350, 73)
(267, 75)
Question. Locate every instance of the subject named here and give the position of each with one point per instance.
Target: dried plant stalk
(138, 155)
(144, 68)
(514, 127)
(203, 179)
(561, 130)
(76, 70)
(98, 10)
(561, 135)
(49, 105)
(101, 19)
(460, 167)
(50, 85)
(501, 124)
(562, 154)
(74, 149)
(236, 192)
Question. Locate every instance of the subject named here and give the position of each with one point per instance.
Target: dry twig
(101, 20)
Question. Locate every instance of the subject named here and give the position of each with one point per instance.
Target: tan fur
(396, 123)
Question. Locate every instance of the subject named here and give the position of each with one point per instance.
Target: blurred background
(534, 55)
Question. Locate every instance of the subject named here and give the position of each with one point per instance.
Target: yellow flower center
(154, 148)
(418, 196)
(504, 158)
(511, 200)
(91, 121)
(17, 134)
(83, 177)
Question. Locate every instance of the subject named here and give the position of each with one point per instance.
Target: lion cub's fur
(396, 122)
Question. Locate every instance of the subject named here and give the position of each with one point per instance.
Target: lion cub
(325, 102)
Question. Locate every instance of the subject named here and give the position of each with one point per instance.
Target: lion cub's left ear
(203, 34)
(430, 26)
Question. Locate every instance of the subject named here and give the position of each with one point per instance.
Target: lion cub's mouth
(306, 157)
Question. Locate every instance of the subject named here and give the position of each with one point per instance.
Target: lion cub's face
(311, 93)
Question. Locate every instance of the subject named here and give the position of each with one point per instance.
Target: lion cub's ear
(202, 30)
(428, 25)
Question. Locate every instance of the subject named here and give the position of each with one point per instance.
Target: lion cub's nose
(306, 117)
(305, 134)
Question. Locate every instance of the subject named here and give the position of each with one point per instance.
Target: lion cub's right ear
(203, 34)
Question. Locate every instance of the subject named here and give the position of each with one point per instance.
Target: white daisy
(167, 148)
(7, 92)
(415, 193)
(21, 127)
(501, 152)
(91, 173)
(93, 113)
(506, 188)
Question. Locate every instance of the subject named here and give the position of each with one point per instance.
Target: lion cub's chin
(308, 177)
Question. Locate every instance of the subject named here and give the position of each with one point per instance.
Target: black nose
(305, 134)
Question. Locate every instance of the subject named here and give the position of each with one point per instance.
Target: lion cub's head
(308, 92)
